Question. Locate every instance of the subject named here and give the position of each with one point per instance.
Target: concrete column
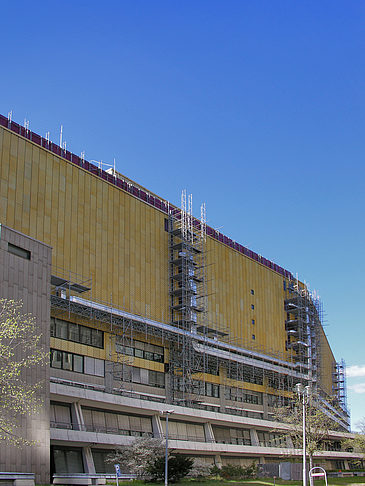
(265, 405)
(77, 417)
(109, 378)
(222, 398)
(254, 438)
(218, 460)
(289, 442)
(88, 460)
(208, 431)
(157, 427)
(262, 460)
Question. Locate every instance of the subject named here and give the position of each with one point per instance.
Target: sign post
(117, 473)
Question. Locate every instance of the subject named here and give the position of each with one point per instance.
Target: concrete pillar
(77, 417)
(208, 431)
(289, 442)
(262, 460)
(265, 404)
(109, 376)
(88, 460)
(157, 427)
(218, 460)
(222, 398)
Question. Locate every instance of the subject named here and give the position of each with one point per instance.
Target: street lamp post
(167, 413)
(303, 391)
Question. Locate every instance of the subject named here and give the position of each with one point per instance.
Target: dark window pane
(67, 361)
(56, 359)
(85, 335)
(73, 332)
(78, 363)
(61, 329)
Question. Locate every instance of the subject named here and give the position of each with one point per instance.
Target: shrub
(179, 466)
(230, 471)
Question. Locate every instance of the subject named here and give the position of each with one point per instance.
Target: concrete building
(148, 308)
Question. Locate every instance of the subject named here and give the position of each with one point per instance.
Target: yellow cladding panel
(327, 364)
(97, 230)
(247, 298)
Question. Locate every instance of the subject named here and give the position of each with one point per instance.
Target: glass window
(138, 353)
(67, 361)
(73, 332)
(97, 338)
(61, 329)
(21, 252)
(128, 350)
(85, 335)
(252, 306)
(252, 292)
(53, 327)
(78, 363)
(56, 359)
(148, 355)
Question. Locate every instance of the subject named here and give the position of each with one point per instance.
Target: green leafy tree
(19, 350)
(357, 443)
(179, 466)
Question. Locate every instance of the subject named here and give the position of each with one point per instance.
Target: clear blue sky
(255, 107)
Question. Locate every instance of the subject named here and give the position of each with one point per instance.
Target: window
(76, 333)
(56, 359)
(253, 337)
(67, 460)
(252, 307)
(253, 322)
(142, 350)
(252, 292)
(20, 252)
(67, 361)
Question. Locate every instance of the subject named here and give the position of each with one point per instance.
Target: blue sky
(255, 107)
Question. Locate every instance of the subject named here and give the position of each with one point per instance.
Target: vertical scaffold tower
(339, 384)
(303, 328)
(187, 238)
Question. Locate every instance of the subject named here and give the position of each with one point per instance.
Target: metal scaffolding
(197, 350)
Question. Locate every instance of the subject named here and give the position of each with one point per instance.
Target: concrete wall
(29, 281)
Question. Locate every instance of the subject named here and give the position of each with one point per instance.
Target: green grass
(251, 482)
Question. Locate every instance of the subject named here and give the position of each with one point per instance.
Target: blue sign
(117, 470)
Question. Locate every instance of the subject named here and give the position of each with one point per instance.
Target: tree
(179, 466)
(138, 456)
(357, 444)
(318, 424)
(19, 349)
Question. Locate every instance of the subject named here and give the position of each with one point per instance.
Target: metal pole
(304, 445)
(167, 449)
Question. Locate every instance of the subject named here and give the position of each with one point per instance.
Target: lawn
(360, 481)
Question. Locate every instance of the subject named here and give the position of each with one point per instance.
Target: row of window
(77, 333)
(269, 439)
(77, 363)
(198, 387)
(144, 377)
(142, 350)
(239, 395)
(247, 373)
(225, 435)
